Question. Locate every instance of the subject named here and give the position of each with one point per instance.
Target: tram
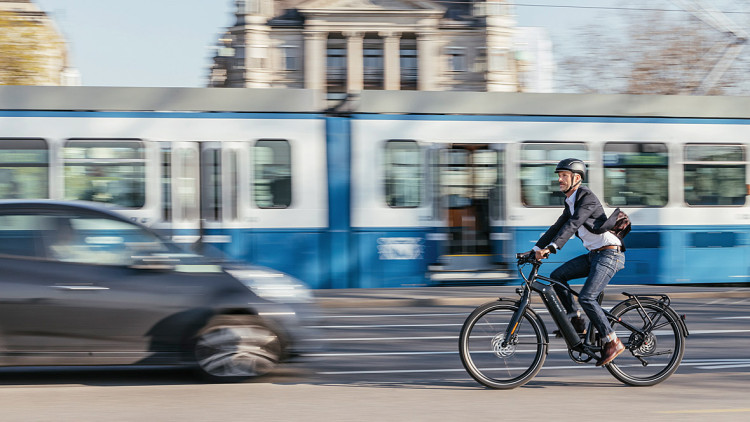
(393, 188)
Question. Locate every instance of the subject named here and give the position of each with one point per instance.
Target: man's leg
(604, 265)
(577, 267)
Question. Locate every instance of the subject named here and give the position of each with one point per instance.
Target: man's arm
(588, 205)
(551, 232)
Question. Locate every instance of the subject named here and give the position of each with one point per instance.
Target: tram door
(223, 174)
(203, 191)
(180, 190)
(470, 186)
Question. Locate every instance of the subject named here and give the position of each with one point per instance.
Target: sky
(141, 42)
(168, 43)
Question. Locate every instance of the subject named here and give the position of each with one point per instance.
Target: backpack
(622, 225)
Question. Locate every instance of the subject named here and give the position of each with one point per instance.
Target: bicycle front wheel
(487, 360)
(652, 356)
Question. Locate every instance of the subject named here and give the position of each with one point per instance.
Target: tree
(658, 52)
(28, 51)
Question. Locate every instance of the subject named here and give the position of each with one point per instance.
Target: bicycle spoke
(656, 349)
(492, 360)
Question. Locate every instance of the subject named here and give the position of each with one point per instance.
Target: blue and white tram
(402, 189)
(474, 173)
(243, 171)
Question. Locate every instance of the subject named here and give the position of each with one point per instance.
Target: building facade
(345, 46)
(40, 54)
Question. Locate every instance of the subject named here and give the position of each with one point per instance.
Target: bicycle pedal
(557, 334)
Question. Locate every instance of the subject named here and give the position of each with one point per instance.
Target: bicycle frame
(544, 286)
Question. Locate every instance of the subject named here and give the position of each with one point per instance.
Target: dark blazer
(588, 212)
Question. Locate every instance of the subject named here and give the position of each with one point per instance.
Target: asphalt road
(392, 355)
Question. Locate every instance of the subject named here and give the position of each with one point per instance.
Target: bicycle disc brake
(499, 350)
(643, 345)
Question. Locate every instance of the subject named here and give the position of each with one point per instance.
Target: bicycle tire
(663, 347)
(487, 361)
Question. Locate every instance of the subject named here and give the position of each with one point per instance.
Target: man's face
(566, 179)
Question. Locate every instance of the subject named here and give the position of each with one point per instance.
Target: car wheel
(236, 347)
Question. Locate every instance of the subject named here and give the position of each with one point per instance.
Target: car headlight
(273, 285)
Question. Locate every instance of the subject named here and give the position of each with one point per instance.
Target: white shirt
(590, 240)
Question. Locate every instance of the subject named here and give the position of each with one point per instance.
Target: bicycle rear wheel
(485, 358)
(649, 359)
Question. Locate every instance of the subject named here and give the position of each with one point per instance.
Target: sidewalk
(476, 295)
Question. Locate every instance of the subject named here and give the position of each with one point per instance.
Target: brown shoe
(611, 350)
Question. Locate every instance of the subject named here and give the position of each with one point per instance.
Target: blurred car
(83, 285)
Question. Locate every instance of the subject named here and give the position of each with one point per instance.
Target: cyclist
(584, 216)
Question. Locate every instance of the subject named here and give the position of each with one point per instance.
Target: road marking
(393, 315)
(737, 365)
(673, 412)
(453, 352)
(386, 326)
(734, 317)
(405, 371)
(692, 333)
(547, 368)
(539, 311)
(383, 338)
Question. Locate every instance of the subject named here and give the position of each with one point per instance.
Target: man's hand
(542, 254)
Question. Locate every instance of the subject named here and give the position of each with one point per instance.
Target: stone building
(345, 46)
(40, 40)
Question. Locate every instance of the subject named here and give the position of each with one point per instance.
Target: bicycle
(503, 343)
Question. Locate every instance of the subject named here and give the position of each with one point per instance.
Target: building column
(315, 59)
(428, 61)
(354, 61)
(391, 60)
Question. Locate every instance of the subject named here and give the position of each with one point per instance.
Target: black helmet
(573, 165)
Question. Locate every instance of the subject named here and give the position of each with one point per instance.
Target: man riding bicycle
(584, 216)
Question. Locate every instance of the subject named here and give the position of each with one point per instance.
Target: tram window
(24, 168)
(635, 174)
(273, 173)
(469, 177)
(539, 186)
(110, 171)
(404, 174)
(715, 175)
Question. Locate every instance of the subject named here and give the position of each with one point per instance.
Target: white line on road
(454, 352)
(692, 333)
(538, 311)
(383, 338)
(705, 364)
(393, 315)
(734, 317)
(387, 326)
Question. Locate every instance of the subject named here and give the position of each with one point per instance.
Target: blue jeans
(599, 267)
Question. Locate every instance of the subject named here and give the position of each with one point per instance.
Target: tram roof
(58, 98)
(532, 104)
(64, 98)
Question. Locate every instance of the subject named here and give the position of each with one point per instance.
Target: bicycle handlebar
(527, 258)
